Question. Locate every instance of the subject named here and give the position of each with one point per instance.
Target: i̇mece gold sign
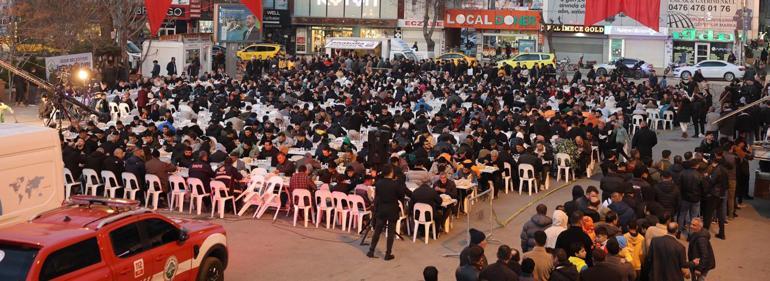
(573, 28)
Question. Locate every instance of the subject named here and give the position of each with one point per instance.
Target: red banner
(156, 12)
(646, 12)
(255, 6)
(493, 19)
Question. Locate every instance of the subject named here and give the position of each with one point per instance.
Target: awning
(351, 44)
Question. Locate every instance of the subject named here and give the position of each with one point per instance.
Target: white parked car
(711, 69)
(605, 68)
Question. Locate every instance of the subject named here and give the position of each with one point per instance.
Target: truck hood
(194, 225)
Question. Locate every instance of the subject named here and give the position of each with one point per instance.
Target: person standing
(644, 140)
(21, 89)
(155, 69)
(543, 260)
(171, 67)
(500, 269)
(699, 250)
(691, 184)
(539, 222)
(575, 234)
(388, 193)
(666, 258)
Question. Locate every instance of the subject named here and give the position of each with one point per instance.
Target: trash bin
(762, 184)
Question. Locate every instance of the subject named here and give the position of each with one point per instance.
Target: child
(601, 239)
(635, 242)
(3, 108)
(578, 256)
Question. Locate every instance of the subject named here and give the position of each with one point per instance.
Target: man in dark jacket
(171, 67)
(427, 195)
(624, 211)
(666, 258)
(699, 250)
(500, 269)
(601, 270)
(667, 193)
(114, 163)
(135, 165)
(563, 270)
(612, 182)
(575, 234)
(155, 69)
(95, 160)
(389, 191)
(539, 222)
(644, 140)
(691, 186)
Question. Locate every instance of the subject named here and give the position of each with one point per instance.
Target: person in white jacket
(559, 225)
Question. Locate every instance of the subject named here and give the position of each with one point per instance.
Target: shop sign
(175, 12)
(707, 35)
(573, 28)
(493, 19)
(721, 15)
(635, 31)
(351, 44)
(272, 18)
(418, 23)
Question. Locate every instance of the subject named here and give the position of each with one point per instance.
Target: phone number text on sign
(700, 8)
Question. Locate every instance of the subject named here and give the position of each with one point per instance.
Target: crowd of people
(441, 123)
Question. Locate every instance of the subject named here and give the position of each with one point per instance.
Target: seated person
(226, 173)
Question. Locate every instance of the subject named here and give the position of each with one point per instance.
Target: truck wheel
(211, 269)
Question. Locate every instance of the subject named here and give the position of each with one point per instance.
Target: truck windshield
(15, 261)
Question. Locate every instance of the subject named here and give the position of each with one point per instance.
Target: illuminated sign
(573, 28)
(709, 35)
(493, 19)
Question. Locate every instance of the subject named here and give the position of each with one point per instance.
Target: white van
(31, 172)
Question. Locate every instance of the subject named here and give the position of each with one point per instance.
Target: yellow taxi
(529, 59)
(455, 58)
(260, 51)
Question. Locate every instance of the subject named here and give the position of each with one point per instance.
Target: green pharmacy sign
(708, 35)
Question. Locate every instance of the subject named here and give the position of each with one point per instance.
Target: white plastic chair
(562, 165)
(178, 192)
(114, 111)
(637, 123)
(271, 197)
(402, 217)
(69, 182)
(341, 210)
(259, 172)
(130, 185)
(423, 215)
(358, 211)
(507, 177)
(220, 198)
(527, 175)
(111, 184)
(324, 204)
(302, 201)
(668, 120)
(653, 118)
(197, 193)
(154, 189)
(124, 109)
(92, 181)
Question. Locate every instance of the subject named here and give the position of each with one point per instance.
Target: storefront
(494, 34)
(693, 46)
(317, 20)
(277, 27)
(574, 41)
(637, 42)
(411, 29)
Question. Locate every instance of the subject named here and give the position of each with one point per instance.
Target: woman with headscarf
(588, 227)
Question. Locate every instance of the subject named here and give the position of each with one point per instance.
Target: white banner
(63, 64)
(723, 15)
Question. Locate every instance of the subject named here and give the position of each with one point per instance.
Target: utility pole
(13, 30)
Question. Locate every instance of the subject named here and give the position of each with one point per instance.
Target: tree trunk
(428, 32)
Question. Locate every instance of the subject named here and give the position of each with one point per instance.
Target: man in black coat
(644, 140)
(602, 270)
(114, 163)
(666, 258)
(613, 182)
(699, 250)
(692, 186)
(500, 269)
(427, 195)
(388, 193)
(155, 69)
(575, 234)
(171, 67)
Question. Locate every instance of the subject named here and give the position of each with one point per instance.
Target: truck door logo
(170, 269)
(138, 268)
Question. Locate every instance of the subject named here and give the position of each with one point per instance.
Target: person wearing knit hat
(478, 240)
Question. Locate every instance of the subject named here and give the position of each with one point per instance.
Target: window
(126, 241)
(264, 48)
(629, 61)
(527, 57)
(160, 232)
(16, 261)
(545, 57)
(711, 64)
(251, 49)
(71, 259)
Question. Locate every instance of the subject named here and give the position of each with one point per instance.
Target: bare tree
(437, 6)
(128, 21)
